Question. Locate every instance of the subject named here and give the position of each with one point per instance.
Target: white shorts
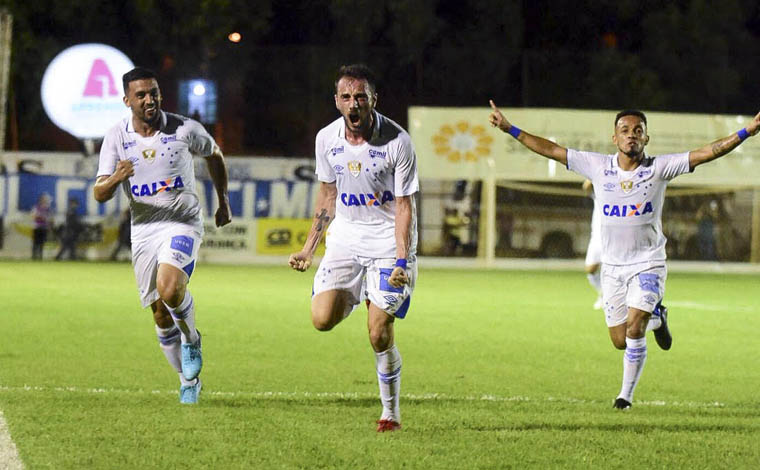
(639, 286)
(364, 277)
(175, 244)
(594, 250)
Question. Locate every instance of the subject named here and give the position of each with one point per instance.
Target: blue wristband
(514, 131)
(401, 263)
(743, 134)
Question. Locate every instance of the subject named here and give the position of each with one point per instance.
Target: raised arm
(535, 143)
(217, 169)
(324, 213)
(105, 185)
(722, 146)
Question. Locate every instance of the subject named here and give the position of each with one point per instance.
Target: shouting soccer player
(629, 189)
(150, 155)
(368, 172)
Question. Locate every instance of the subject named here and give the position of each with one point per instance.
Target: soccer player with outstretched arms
(629, 190)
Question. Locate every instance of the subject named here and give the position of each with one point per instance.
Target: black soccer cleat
(662, 334)
(622, 404)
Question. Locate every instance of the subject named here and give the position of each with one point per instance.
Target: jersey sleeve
(406, 180)
(324, 171)
(109, 155)
(673, 165)
(584, 163)
(200, 143)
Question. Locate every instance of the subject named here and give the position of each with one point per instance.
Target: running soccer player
(594, 250)
(150, 155)
(368, 172)
(629, 187)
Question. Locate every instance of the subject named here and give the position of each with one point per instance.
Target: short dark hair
(631, 112)
(358, 71)
(137, 73)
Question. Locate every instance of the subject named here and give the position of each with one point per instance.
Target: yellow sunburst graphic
(462, 142)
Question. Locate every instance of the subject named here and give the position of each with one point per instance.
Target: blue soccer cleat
(188, 394)
(192, 360)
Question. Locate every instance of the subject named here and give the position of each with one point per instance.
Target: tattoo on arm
(717, 149)
(322, 220)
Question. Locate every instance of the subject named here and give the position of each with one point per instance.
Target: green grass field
(501, 370)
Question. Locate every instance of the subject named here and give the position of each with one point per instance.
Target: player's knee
(380, 338)
(618, 343)
(170, 291)
(322, 320)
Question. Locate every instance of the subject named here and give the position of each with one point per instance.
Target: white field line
(316, 396)
(9, 459)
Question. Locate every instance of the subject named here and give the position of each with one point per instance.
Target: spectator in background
(70, 231)
(43, 218)
(707, 217)
(124, 239)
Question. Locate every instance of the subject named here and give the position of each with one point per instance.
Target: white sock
(168, 341)
(388, 365)
(633, 364)
(184, 318)
(595, 279)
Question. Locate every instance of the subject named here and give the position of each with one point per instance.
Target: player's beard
(151, 120)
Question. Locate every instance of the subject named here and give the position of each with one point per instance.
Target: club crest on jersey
(626, 185)
(149, 155)
(355, 167)
(366, 199)
(156, 187)
(627, 210)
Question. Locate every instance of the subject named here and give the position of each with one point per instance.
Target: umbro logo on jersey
(156, 187)
(366, 199)
(338, 169)
(149, 154)
(336, 150)
(627, 210)
(609, 186)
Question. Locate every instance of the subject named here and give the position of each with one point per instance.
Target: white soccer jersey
(629, 202)
(163, 186)
(369, 178)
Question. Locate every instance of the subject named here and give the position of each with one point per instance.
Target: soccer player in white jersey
(367, 170)
(629, 187)
(594, 250)
(150, 155)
